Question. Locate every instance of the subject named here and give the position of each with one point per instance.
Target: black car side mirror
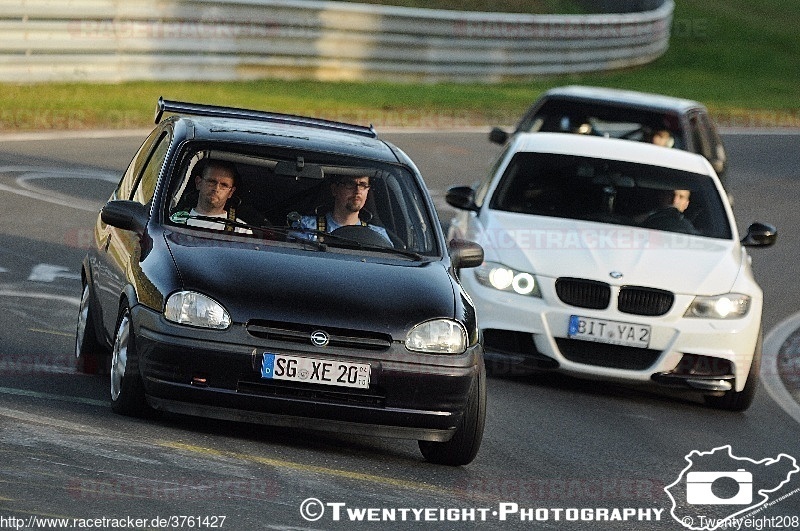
(126, 215)
(465, 254)
(498, 136)
(461, 197)
(760, 235)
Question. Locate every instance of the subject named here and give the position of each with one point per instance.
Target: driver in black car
(349, 196)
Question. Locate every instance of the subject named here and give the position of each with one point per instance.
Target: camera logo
(711, 488)
(716, 487)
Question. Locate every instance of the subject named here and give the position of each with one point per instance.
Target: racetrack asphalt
(780, 368)
(780, 372)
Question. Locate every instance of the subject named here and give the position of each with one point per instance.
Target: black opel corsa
(267, 314)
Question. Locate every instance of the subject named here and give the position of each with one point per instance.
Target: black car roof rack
(198, 109)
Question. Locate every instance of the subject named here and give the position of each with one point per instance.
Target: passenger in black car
(664, 138)
(216, 185)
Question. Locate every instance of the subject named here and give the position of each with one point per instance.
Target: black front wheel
(88, 350)
(464, 446)
(127, 389)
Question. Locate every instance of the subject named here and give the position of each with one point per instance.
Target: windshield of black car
(613, 121)
(610, 191)
(286, 196)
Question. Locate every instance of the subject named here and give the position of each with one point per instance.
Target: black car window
(608, 191)
(129, 179)
(598, 119)
(715, 149)
(277, 187)
(699, 136)
(146, 186)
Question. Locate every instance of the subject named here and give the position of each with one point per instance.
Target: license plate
(311, 370)
(613, 332)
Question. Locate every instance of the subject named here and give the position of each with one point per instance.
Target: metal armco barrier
(123, 40)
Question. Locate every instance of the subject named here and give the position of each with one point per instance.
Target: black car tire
(464, 446)
(741, 400)
(127, 389)
(88, 350)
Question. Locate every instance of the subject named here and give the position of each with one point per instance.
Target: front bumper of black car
(216, 374)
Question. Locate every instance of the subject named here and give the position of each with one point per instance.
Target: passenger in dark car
(215, 184)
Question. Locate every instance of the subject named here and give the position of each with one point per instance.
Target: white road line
(70, 135)
(47, 396)
(769, 366)
(39, 295)
(79, 204)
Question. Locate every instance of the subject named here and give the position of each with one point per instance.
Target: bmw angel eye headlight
(440, 336)
(504, 278)
(195, 309)
(728, 306)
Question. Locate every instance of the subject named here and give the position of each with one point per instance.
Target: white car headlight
(440, 336)
(195, 309)
(728, 306)
(504, 278)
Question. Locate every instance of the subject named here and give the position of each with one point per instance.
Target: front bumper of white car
(711, 355)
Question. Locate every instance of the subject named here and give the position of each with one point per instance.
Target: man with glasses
(215, 186)
(349, 196)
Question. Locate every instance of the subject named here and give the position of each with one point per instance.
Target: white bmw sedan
(614, 260)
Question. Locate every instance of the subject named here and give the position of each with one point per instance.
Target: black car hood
(380, 293)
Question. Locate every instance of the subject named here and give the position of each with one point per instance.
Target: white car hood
(557, 247)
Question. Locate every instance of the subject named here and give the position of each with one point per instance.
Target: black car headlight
(504, 278)
(195, 309)
(438, 336)
(728, 306)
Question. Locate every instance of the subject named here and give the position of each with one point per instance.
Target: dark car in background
(252, 317)
(637, 116)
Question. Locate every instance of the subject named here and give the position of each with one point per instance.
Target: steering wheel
(362, 234)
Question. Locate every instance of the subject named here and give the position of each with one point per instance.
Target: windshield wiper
(291, 231)
(265, 231)
(393, 250)
(226, 222)
(342, 241)
(318, 243)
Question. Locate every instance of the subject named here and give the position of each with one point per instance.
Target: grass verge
(740, 58)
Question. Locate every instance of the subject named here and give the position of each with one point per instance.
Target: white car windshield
(610, 191)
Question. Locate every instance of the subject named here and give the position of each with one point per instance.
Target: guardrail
(116, 40)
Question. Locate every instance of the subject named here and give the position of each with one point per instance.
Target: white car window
(615, 192)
